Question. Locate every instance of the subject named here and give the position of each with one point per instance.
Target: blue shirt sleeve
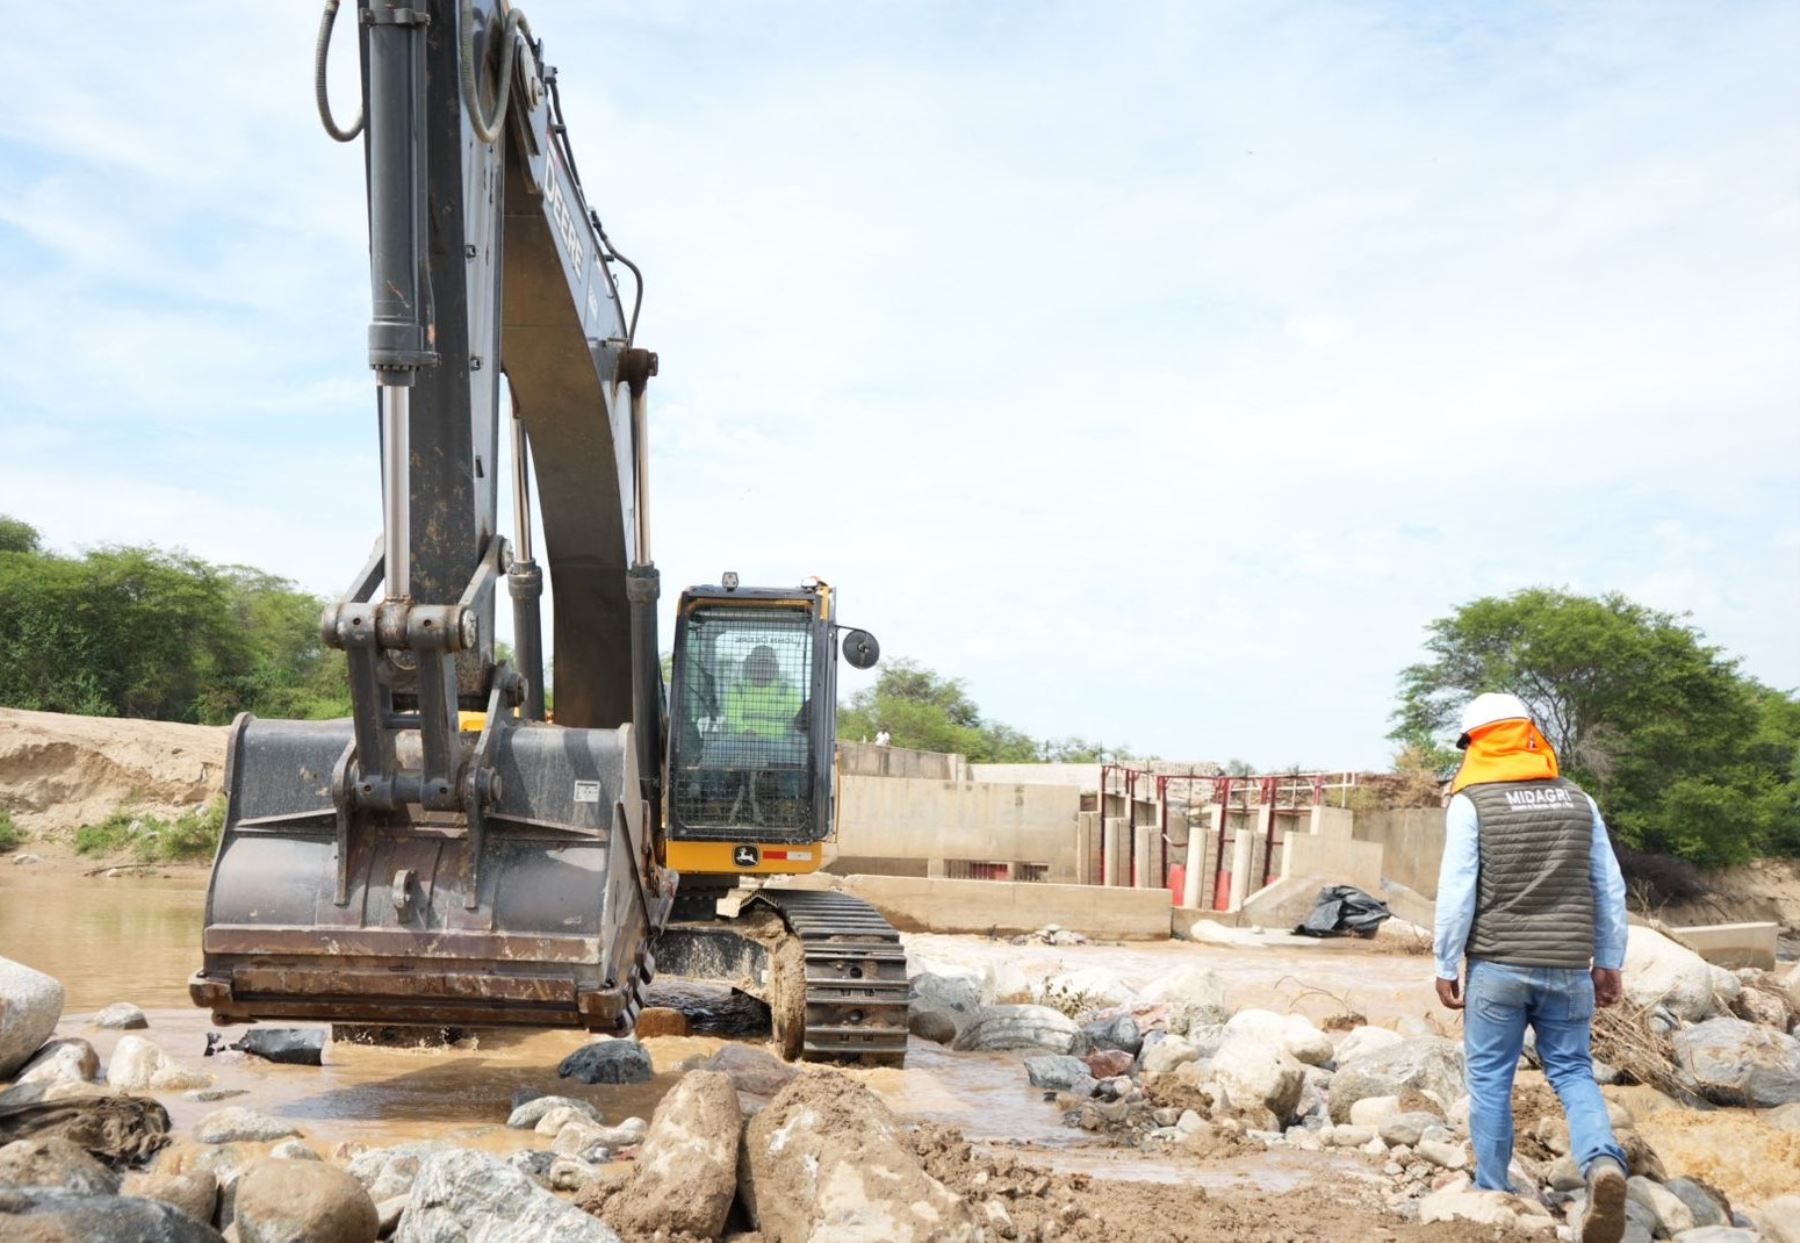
(1609, 898)
(1456, 886)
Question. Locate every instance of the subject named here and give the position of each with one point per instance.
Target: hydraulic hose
(488, 129)
(321, 93)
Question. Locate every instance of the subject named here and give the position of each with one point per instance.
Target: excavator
(466, 849)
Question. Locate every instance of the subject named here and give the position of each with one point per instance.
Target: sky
(1160, 370)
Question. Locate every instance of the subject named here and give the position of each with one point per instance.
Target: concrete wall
(910, 818)
(1086, 776)
(915, 905)
(1412, 841)
(1321, 851)
(865, 759)
(1732, 945)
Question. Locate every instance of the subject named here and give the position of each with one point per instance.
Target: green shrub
(9, 832)
(150, 839)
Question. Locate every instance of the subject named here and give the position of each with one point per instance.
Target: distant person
(882, 738)
(762, 704)
(1530, 892)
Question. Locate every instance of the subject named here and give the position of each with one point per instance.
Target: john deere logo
(746, 856)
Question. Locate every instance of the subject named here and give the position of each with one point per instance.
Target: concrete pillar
(1203, 859)
(1148, 864)
(1116, 849)
(1243, 851)
(1087, 848)
(935, 867)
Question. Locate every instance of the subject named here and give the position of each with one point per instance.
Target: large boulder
(1361, 1040)
(303, 1202)
(138, 1064)
(389, 1172)
(1431, 1064)
(1459, 1201)
(1083, 990)
(1194, 992)
(527, 1116)
(1737, 1063)
(55, 1162)
(1117, 1031)
(1670, 1211)
(608, 1061)
(1056, 1071)
(752, 1071)
(195, 1193)
(69, 1060)
(826, 1161)
(1659, 971)
(1259, 1074)
(51, 1215)
(957, 991)
(685, 1176)
(1792, 984)
(30, 1005)
(1020, 1027)
(1292, 1033)
(1004, 982)
(470, 1197)
(1168, 1053)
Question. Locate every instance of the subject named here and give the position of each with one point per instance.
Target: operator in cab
(763, 704)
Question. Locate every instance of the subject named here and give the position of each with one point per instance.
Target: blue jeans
(1559, 1005)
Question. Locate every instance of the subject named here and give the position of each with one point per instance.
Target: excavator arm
(395, 867)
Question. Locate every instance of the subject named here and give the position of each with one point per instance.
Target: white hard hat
(1487, 708)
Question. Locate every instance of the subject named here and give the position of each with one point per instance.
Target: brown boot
(1604, 1221)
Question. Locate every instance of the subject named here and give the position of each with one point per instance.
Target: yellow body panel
(719, 858)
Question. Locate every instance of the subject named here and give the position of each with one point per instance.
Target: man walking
(1531, 892)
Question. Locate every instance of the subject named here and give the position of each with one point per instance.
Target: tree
(922, 709)
(1685, 753)
(17, 536)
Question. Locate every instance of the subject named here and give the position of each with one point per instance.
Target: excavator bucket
(536, 915)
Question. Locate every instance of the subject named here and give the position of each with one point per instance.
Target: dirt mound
(1075, 1207)
(59, 772)
(1764, 889)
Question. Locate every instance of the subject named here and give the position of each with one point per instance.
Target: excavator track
(856, 986)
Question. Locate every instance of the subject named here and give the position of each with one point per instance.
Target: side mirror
(861, 649)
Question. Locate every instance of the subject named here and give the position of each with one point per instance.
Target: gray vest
(1534, 901)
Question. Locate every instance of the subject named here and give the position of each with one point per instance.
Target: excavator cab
(752, 721)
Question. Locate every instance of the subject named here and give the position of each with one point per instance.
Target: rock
(462, 1196)
(1659, 971)
(1758, 1005)
(754, 1072)
(30, 1005)
(1737, 1063)
(529, 1114)
(534, 1163)
(25, 859)
(1019, 1027)
(1565, 1175)
(55, 1162)
(69, 1060)
(575, 1136)
(1363, 1040)
(1459, 1201)
(934, 1025)
(1781, 1219)
(570, 1173)
(826, 1160)
(1431, 1064)
(1292, 1032)
(1406, 1128)
(1348, 1136)
(389, 1172)
(1444, 1153)
(1055, 1071)
(662, 1021)
(1256, 1073)
(1084, 989)
(1671, 1213)
(138, 1064)
(1108, 1063)
(1705, 1207)
(1195, 991)
(686, 1172)
(50, 1215)
(293, 1150)
(195, 1193)
(387, 1216)
(1785, 1118)
(1717, 1234)
(235, 1123)
(608, 1061)
(1372, 1111)
(1792, 985)
(1166, 1054)
(957, 991)
(554, 1120)
(303, 1202)
(1004, 982)
(204, 1095)
(1118, 1032)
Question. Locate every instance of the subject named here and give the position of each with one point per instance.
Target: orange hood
(1511, 750)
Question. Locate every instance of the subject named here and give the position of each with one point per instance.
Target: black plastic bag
(1344, 909)
(297, 1046)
